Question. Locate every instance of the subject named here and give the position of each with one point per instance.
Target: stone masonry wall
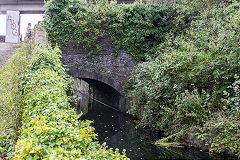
(39, 35)
(107, 67)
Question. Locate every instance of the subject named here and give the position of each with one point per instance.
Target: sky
(25, 19)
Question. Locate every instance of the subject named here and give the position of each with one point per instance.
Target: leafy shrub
(189, 108)
(189, 62)
(51, 129)
(206, 57)
(144, 26)
(231, 99)
(221, 133)
(157, 89)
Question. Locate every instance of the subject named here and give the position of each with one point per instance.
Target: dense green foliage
(11, 101)
(51, 129)
(138, 28)
(143, 27)
(194, 81)
(221, 133)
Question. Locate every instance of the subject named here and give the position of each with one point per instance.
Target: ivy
(138, 28)
(78, 22)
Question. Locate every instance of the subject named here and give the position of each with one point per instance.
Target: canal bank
(120, 130)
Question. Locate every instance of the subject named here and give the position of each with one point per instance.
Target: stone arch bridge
(106, 74)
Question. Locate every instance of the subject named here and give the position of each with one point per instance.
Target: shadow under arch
(92, 92)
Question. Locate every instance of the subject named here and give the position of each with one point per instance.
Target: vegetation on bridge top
(138, 28)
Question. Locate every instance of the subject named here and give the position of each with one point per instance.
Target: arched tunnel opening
(101, 104)
(90, 92)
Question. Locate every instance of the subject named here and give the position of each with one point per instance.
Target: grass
(11, 100)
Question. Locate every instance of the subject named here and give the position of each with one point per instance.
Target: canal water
(119, 131)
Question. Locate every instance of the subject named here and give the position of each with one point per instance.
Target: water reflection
(119, 131)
